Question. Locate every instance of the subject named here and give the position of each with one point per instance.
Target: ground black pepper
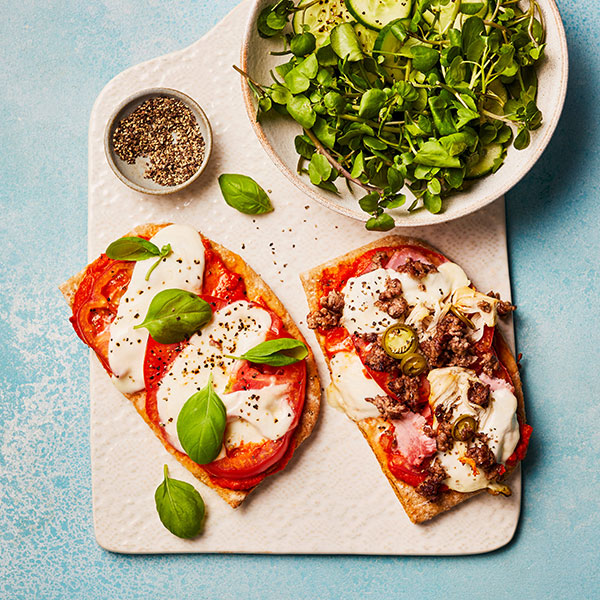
(165, 132)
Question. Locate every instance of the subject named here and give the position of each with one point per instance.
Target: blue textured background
(56, 56)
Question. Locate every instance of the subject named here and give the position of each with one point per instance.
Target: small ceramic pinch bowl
(132, 175)
(276, 133)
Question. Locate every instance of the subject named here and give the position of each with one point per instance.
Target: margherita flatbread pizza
(417, 362)
(135, 312)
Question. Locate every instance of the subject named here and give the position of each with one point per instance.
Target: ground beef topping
(330, 313)
(443, 437)
(416, 268)
(503, 308)
(406, 390)
(481, 454)
(391, 300)
(430, 488)
(479, 393)
(489, 363)
(379, 260)
(388, 407)
(378, 359)
(450, 345)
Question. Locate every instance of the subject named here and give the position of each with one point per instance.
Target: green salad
(427, 94)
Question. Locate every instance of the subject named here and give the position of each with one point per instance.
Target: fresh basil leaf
(132, 248)
(276, 353)
(174, 315)
(244, 194)
(164, 252)
(180, 507)
(381, 223)
(201, 425)
(345, 43)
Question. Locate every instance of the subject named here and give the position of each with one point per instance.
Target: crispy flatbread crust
(256, 289)
(416, 506)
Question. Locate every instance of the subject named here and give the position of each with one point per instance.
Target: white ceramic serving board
(333, 497)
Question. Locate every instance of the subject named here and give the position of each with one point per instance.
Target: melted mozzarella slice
(449, 388)
(253, 415)
(472, 303)
(183, 269)
(350, 385)
(361, 315)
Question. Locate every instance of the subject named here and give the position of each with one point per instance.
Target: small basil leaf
(201, 425)
(180, 507)
(244, 194)
(164, 252)
(132, 248)
(174, 315)
(277, 353)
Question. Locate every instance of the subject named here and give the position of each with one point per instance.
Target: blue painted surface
(56, 57)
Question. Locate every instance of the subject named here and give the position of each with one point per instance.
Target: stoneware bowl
(276, 133)
(133, 175)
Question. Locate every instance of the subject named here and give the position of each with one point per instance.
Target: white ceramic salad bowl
(277, 133)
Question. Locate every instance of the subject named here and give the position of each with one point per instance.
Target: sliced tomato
(397, 464)
(218, 280)
(96, 303)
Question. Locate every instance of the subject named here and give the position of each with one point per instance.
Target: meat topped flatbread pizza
(417, 362)
(176, 319)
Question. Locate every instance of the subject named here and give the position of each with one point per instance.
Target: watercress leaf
(395, 180)
(472, 31)
(304, 147)
(264, 30)
(329, 186)
(265, 104)
(303, 44)
(358, 166)
(355, 130)
(301, 110)
(369, 202)
(324, 132)
(504, 135)
(276, 21)
(345, 43)
(432, 202)
(433, 154)
(201, 425)
(335, 103)
(296, 81)
(309, 66)
(180, 507)
(371, 103)
(383, 222)
(424, 58)
(132, 248)
(442, 117)
(279, 94)
(285, 68)
(174, 315)
(522, 140)
(277, 353)
(244, 194)
(374, 143)
(434, 187)
(326, 56)
(471, 8)
(396, 202)
(319, 169)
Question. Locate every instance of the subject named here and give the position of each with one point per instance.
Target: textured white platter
(332, 498)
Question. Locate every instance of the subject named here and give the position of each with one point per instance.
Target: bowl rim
(154, 92)
(415, 220)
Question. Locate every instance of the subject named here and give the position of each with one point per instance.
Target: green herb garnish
(137, 248)
(244, 194)
(277, 353)
(201, 425)
(180, 507)
(174, 315)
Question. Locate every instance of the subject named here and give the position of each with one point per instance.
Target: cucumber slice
(492, 156)
(442, 14)
(375, 14)
(390, 47)
(321, 18)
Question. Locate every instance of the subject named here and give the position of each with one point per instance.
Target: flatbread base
(256, 289)
(416, 506)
